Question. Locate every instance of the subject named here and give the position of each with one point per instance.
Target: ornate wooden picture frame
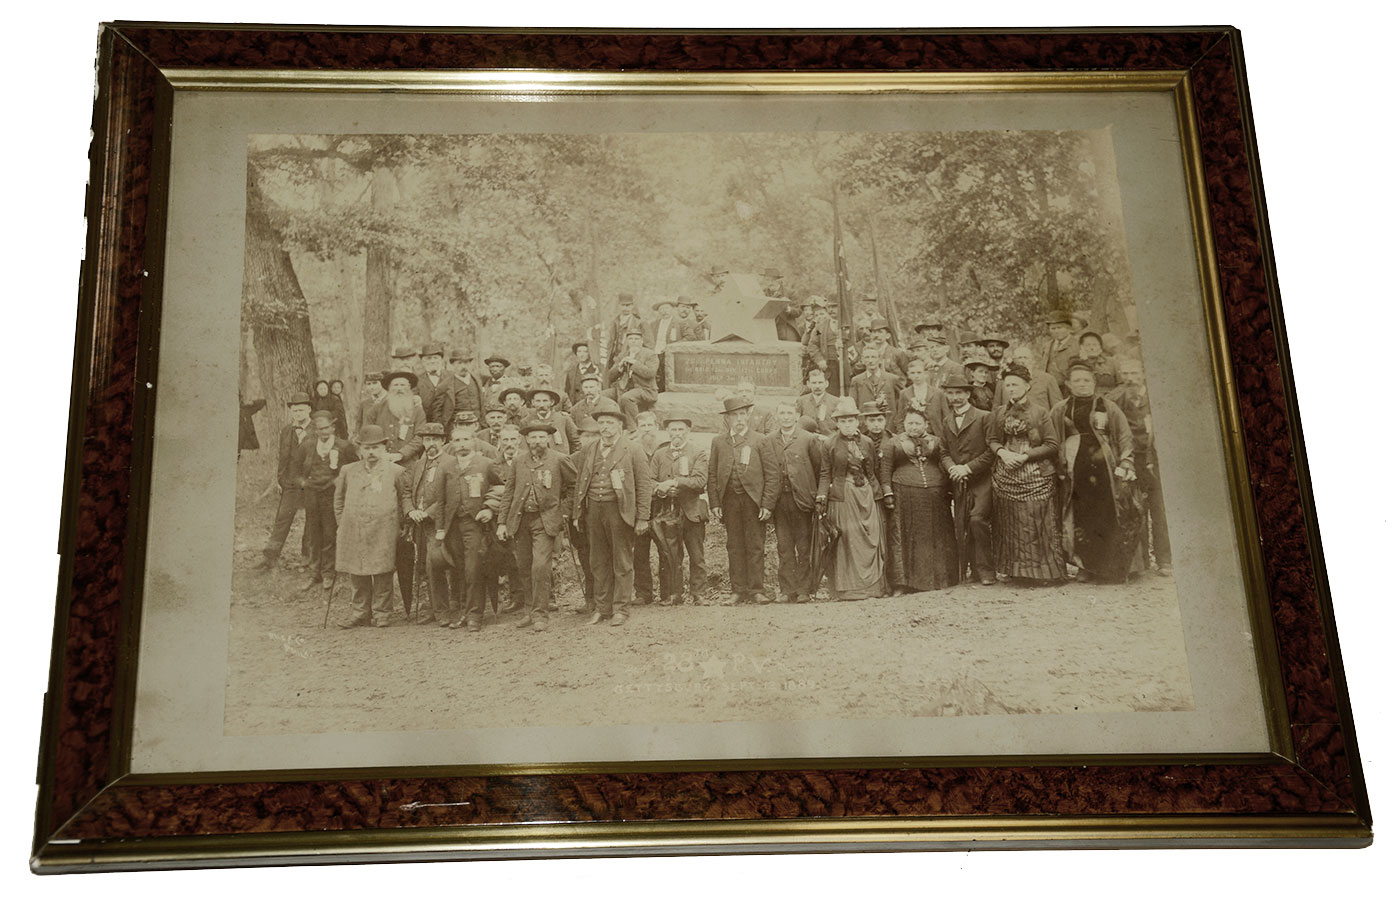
(95, 813)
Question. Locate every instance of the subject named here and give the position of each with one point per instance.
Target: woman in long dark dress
(1025, 519)
(850, 485)
(913, 472)
(1101, 515)
(325, 398)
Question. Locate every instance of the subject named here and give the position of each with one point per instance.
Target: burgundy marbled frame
(84, 795)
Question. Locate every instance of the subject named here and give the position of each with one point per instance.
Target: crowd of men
(455, 480)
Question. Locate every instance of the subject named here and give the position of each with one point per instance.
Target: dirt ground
(971, 650)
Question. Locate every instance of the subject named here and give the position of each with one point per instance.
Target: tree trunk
(1052, 279)
(275, 307)
(379, 281)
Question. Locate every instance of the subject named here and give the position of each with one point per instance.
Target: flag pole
(887, 308)
(842, 290)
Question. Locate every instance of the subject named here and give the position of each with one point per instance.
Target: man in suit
(818, 404)
(371, 394)
(434, 496)
(481, 489)
(371, 501)
(940, 366)
(894, 360)
(494, 382)
(322, 457)
(400, 416)
(612, 501)
(633, 375)
(874, 384)
(694, 326)
(821, 340)
(743, 488)
(664, 330)
(922, 396)
(964, 432)
(289, 479)
(616, 331)
(760, 419)
(434, 387)
(463, 389)
(545, 403)
(678, 514)
(582, 366)
(590, 400)
(799, 459)
(539, 485)
(1061, 348)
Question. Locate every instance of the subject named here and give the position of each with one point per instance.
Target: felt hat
(845, 408)
(734, 403)
(433, 348)
(497, 359)
(808, 424)
(879, 323)
(514, 389)
(389, 378)
(431, 429)
(403, 351)
(547, 391)
(538, 426)
(584, 342)
(993, 338)
(625, 298)
(612, 410)
(1058, 316)
(978, 362)
(459, 354)
(685, 301)
(299, 399)
(658, 304)
(956, 383)
(494, 407)
(872, 409)
(371, 435)
(586, 425)
(668, 421)
(465, 416)
(928, 324)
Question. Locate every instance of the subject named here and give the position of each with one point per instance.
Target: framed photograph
(682, 442)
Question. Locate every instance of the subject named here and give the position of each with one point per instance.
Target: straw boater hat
(734, 403)
(371, 435)
(612, 410)
(547, 391)
(845, 408)
(432, 429)
(389, 378)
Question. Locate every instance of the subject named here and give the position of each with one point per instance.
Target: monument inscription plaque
(715, 368)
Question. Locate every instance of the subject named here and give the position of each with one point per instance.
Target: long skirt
(1026, 524)
(859, 571)
(1092, 516)
(922, 554)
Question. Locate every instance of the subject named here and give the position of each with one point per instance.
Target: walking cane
(330, 597)
(960, 528)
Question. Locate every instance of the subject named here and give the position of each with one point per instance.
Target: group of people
(933, 471)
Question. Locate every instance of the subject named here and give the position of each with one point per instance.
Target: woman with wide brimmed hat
(849, 488)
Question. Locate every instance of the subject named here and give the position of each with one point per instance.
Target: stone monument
(743, 345)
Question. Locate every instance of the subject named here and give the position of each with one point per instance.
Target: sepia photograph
(693, 427)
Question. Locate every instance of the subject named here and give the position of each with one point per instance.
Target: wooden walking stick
(330, 597)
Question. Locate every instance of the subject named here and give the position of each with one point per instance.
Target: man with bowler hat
(322, 458)
(463, 389)
(633, 374)
(678, 514)
(371, 501)
(494, 382)
(539, 486)
(433, 490)
(743, 488)
(289, 479)
(612, 501)
(798, 455)
(964, 432)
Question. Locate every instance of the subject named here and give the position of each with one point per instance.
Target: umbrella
(825, 535)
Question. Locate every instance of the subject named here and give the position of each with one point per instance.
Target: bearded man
(400, 417)
(545, 403)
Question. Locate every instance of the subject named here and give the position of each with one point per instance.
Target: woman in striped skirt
(1026, 539)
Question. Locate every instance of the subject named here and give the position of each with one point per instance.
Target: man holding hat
(400, 416)
(545, 402)
(322, 457)
(678, 514)
(964, 433)
(539, 485)
(371, 502)
(612, 501)
(435, 494)
(289, 479)
(743, 485)
(633, 374)
(494, 382)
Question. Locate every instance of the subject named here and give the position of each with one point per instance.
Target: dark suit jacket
(644, 366)
(800, 462)
(666, 465)
(634, 500)
(565, 437)
(807, 408)
(553, 501)
(836, 463)
(969, 446)
(316, 472)
(865, 388)
(405, 439)
(289, 464)
(461, 397)
(582, 409)
(935, 406)
(573, 379)
(434, 488)
(759, 478)
(437, 400)
(1044, 392)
